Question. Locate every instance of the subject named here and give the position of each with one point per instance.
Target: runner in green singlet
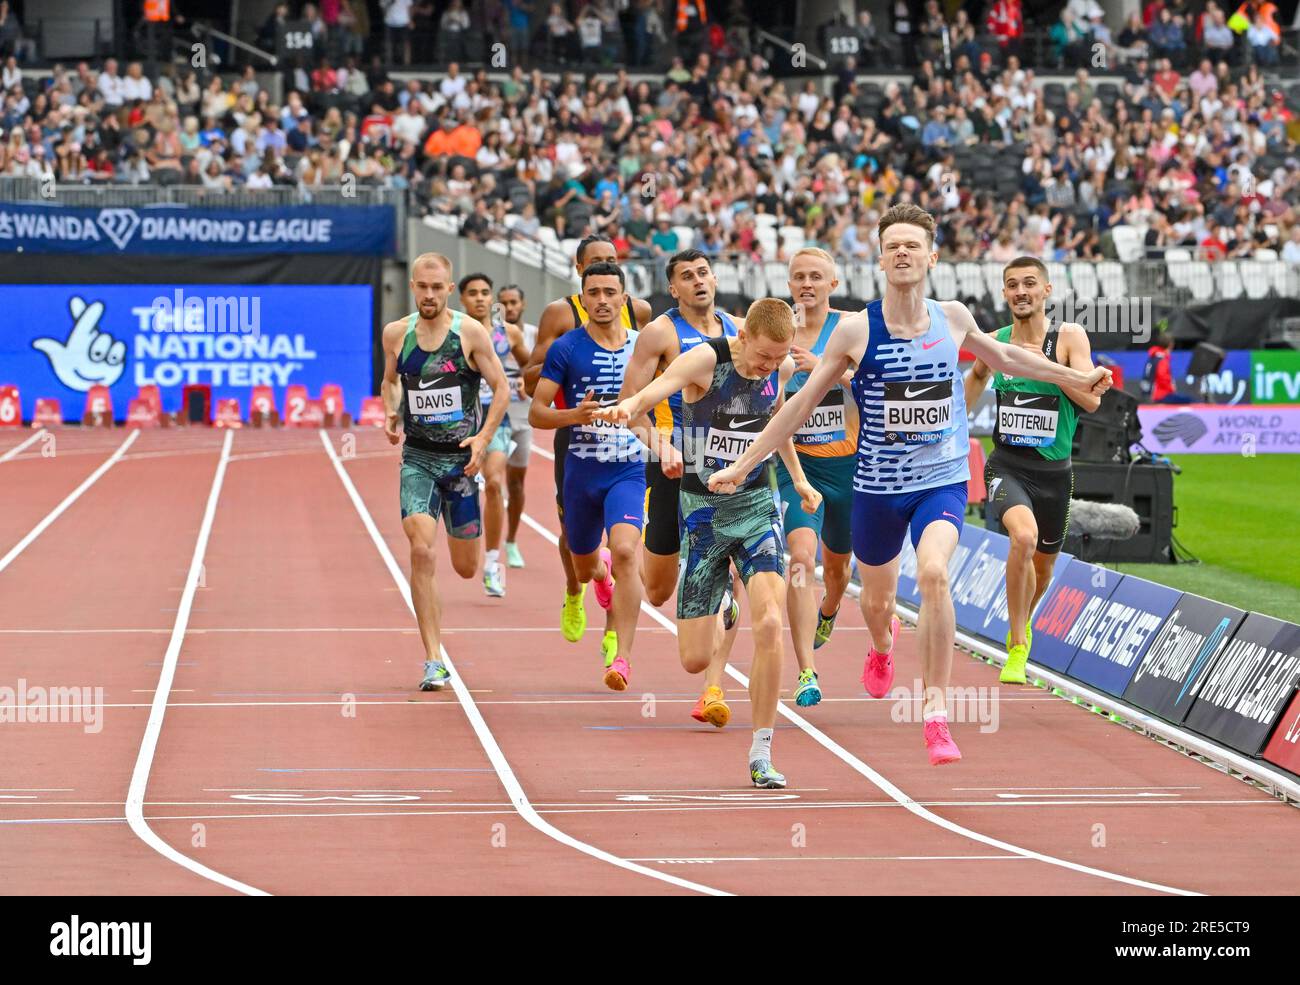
(1029, 475)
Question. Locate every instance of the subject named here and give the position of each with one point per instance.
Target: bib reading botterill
(1027, 420)
(917, 413)
(826, 423)
(729, 437)
(435, 400)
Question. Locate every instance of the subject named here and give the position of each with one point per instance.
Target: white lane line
(71, 498)
(706, 860)
(149, 743)
(485, 737)
(991, 789)
(17, 449)
(889, 788)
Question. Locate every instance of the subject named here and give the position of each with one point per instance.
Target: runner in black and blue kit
(912, 448)
(730, 387)
(604, 476)
(693, 321)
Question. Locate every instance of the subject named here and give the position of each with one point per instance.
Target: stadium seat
(728, 276)
(943, 282)
(685, 236)
(1083, 280)
(993, 281)
(792, 239)
(1229, 278)
(1111, 276)
(1286, 280)
(526, 251)
(1059, 277)
(861, 276)
(1264, 254)
(1200, 280)
(1178, 264)
(777, 275)
(754, 280)
(970, 280)
(1256, 278)
(560, 267)
(766, 237)
(548, 238)
(568, 246)
(765, 220)
(640, 279)
(498, 246)
(1128, 243)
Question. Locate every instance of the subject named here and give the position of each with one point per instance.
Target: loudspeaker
(1148, 489)
(1107, 433)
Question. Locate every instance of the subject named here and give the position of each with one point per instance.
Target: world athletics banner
(1244, 429)
(369, 230)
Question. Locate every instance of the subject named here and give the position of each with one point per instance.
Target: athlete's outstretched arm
(652, 346)
(390, 388)
(1079, 356)
(810, 499)
(695, 367)
(848, 339)
(1016, 360)
(642, 311)
(557, 318)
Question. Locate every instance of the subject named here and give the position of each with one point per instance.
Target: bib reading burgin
(912, 434)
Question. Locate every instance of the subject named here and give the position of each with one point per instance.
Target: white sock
(761, 747)
(492, 559)
(932, 715)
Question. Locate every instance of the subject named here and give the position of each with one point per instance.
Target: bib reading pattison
(1027, 420)
(827, 421)
(729, 437)
(918, 413)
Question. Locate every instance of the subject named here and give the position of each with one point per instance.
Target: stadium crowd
(1161, 127)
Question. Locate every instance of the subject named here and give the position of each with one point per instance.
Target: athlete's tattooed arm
(1015, 360)
(848, 339)
(1078, 353)
(391, 386)
(656, 346)
(694, 367)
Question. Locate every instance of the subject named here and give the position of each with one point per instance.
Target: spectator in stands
(11, 33)
(452, 29)
(1291, 250)
(1263, 40)
(110, 85)
(1006, 22)
(1166, 35)
(397, 31)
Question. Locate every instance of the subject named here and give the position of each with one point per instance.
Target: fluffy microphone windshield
(1103, 521)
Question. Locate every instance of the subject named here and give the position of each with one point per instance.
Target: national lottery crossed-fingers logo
(88, 356)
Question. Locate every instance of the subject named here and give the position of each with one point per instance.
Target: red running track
(294, 754)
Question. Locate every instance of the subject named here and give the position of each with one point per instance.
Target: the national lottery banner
(356, 230)
(60, 340)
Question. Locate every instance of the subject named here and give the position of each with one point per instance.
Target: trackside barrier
(1207, 678)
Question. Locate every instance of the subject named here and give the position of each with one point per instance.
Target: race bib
(826, 423)
(1027, 420)
(436, 400)
(601, 432)
(918, 413)
(729, 437)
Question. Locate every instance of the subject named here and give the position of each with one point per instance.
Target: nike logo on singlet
(930, 345)
(910, 393)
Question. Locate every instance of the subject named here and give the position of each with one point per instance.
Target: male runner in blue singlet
(912, 448)
(604, 477)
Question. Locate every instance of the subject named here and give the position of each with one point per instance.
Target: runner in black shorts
(1029, 476)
